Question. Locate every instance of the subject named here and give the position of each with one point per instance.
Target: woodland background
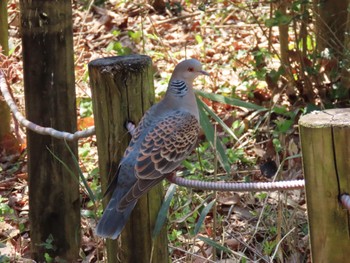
(290, 57)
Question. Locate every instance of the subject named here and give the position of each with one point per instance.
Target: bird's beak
(204, 72)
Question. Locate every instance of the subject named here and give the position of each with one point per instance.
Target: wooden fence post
(54, 200)
(5, 116)
(325, 141)
(122, 90)
(4, 32)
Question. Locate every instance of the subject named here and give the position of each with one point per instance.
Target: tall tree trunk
(330, 24)
(345, 74)
(47, 38)
(283, 34)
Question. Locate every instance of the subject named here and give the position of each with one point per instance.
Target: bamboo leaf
(217, 119)
(85, 183)
(163, 211)
(204, 213)
(64, 164)
(194, 210)
(209, 134)
(230, 101)
(212, 243)
(88, 189)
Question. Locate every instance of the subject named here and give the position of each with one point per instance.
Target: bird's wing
(162, 150)
(143, 124)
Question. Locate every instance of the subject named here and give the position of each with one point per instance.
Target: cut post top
(133, 63)
(326, 118)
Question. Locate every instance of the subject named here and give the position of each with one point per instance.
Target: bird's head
(188, 70)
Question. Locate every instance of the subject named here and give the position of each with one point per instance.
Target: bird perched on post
(165, 136)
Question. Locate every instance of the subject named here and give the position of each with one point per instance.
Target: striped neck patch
(178, 88)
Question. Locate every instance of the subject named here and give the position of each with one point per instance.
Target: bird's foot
(170, 176)
(130, 126)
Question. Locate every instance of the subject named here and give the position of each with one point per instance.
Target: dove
(164, 137)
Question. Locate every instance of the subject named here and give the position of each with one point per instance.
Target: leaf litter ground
(250, 227)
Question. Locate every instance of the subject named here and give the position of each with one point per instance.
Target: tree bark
(4, 33)
(325, 139)
(345, 74)
(283, 35)
(122, 89)
(47, 38)
(330, 24)
(5, 116)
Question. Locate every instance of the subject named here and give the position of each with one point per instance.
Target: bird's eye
(190, 69)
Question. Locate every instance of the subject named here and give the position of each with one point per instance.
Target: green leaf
(309, 43)
(271, 22)
(85, 107)
(135, 36)
(278, 19)
(90, 193)
(4, 259)
(218, 246)
(110, 46)
(192, 211)
(204, 213)
(163, 211)
(209, 134)
(284, 125)
(48, 258)
(310, 108)
(87, 213)
(230, 101)
(217, 119)
(276, 74)
(282, 110)
(116, 33)
(86, 185)
(118, 47)
(199, 39)
(283, 19)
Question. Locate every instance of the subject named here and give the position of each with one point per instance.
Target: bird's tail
(114, 220)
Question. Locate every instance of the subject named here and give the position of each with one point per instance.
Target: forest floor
(233, 44)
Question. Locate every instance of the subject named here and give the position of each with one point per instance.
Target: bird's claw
(130, 126)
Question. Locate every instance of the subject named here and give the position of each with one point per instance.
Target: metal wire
(237, 187)
(34, 127)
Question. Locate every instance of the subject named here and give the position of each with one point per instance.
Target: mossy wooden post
(5, 116)
(122, 90)
(4, 33)
(325, 140)
(49, 86)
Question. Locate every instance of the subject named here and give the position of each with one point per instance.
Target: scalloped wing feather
(161, 152)
(143, 124)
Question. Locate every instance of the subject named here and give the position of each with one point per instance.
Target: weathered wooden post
(54, 199)
(5, 116)
(4, 33)
(122, 90)
(325, 141)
